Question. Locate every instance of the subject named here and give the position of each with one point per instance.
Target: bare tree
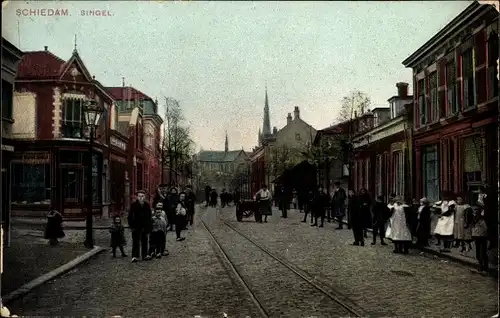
(282, 159)
(177, 145)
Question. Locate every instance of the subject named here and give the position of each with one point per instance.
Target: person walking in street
(320, 204)
(180, 216)
(191, 203)
(208, 190)
(117, 231)
(213, 198)
(357, 221)
(163, 214)
(365, 204)
(264, 200)
(54, 229)
(400, 233)
(140, 222)
(462, 232)
(172, 200)
(284, 202)
(423, 230)
(381, 214)
(309, 206)
(338, 204)
(157, 240)
(480, 236)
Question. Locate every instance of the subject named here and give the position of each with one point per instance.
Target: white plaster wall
(24, 115)
(287, 135)
(113, 117)
(56, 113)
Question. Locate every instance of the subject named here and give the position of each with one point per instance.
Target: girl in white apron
(445, 223)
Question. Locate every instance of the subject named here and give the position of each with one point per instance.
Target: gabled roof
(40, 65)
(127, 93)
(75, 58)
(219, 156)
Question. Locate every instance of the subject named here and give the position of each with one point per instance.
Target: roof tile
(40, 64)
(127, 93)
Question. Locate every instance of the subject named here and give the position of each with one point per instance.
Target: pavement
(382, 283)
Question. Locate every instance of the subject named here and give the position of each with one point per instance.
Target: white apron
(445, 224)
(398, 230)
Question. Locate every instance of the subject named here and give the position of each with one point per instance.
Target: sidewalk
(38, 223)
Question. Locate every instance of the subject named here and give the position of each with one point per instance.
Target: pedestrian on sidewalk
(462, 232)
(54, 230)
(309, 206)
(357, 220)
(400, 233)
(117, 231)
(264, 199)
(191, 202)
(338, 204)
(284, 202)
(381, 214)
(213, 198)
(446, 221)
(208, 190)
(423, 230)
(139, 220)
(172, 200)
(480, 236)
(180, 216)
(157, 239)
(320, 204)
(365, 205)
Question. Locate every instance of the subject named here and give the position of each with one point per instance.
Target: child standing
(54, 230)
(461, 231)
(157, 237)
(445, 223)
(117, 236)
(480, 236)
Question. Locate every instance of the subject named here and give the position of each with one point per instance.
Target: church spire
(226, 145)
(266, 129)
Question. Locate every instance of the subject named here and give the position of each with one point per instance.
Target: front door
(72, 186)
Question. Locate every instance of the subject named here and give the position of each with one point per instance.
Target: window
(378, 175)
(72, 183)
(367, 174)
(492, 65)
(72, 118)
(421, 102)
(433, 85)
(430, 173)
(398, 182)
(7, 92)
(468, 79)
(451, 87)
(30, 183)
(297, 137)
(96, 179)
(140, 171)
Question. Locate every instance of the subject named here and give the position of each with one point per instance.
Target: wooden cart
(246, 209)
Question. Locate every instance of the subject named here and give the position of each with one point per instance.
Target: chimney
(275, 130)
(46, 48)
(289, 118)
(402, 89)
(123, 82)
(296, 113)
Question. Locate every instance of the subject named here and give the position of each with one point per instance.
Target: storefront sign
(33, 157)
(118, 143)
(7, 148)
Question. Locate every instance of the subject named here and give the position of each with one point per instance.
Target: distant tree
(282, 159)
(178, 147)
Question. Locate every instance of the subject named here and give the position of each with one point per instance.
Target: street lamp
(92, 114)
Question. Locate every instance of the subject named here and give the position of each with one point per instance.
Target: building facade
(51, 147)
(456, 106)
(11, 56)
(382, 160)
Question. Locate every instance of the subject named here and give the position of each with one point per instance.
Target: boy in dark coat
(54, 230)
(140, 222)
(319, 206)
(381, 214)
(117, 236)
(357, 218)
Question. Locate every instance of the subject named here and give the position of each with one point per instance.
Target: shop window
(468, 78)
(72, 126)
(451, 87)
(430, 173)
(7, 93)
(473, 150)
(367, 174)
(398, 185)
(72, 183)
(96, 180)
(421, 102)
(492, 65)
(378, 175)
(30, 183)
(433, 88)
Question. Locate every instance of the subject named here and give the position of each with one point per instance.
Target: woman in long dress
(264, 200)
(445, 223)
(400, 233)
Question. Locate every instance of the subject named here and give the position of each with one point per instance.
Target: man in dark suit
(338, 203)
(140, 222)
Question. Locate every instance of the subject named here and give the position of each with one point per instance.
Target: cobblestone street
(190, 281)
(382, 283)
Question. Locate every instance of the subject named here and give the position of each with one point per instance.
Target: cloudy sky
(216, 57)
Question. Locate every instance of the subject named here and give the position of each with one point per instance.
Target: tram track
(302, 293)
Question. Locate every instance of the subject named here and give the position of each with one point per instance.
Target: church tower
(226, 145)
(266, 127)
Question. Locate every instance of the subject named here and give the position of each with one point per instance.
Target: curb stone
(26, 288)
(462, 260)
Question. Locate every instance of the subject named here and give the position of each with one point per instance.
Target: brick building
(456, 105)
(51, 150)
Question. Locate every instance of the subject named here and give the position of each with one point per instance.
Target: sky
(217, 57)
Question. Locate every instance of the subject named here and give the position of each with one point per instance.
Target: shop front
(119, 184)
(55, 177)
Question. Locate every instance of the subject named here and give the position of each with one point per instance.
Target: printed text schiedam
(61, 12)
